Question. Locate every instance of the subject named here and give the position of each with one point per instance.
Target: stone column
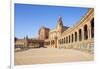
(89, 31)
(77, 36)
(82, 34)
(70, 38)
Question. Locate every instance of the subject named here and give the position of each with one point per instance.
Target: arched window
(69, 38)
(75, 36)
(85, 32)
(66, 39)
(72, 37)
(92, 28)
(80, 34)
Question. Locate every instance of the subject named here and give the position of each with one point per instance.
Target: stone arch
(80, 35)
(62, 40)
(69, 38)
(75, 36)
(72, 38)
(92, 28)
(59, 41)
(53, 42)
(66, 39)
(49, 42)
(85, 32)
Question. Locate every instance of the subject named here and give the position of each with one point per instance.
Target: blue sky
(29, 18)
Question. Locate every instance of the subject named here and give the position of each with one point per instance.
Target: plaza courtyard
(50, 55)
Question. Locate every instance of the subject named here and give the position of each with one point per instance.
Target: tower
(43, 33)
(59, 25)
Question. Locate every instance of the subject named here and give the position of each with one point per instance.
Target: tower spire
(60, 23)
(60, 19)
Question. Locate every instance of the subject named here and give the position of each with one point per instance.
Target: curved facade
(80, 36)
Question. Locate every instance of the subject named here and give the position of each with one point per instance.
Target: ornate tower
(59, 25)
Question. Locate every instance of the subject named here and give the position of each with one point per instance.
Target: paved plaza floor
(50, 55)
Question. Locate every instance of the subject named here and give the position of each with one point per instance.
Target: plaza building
(80, 36)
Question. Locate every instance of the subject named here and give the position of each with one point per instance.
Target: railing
(86, 45)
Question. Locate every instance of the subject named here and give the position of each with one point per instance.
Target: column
(89, 31)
